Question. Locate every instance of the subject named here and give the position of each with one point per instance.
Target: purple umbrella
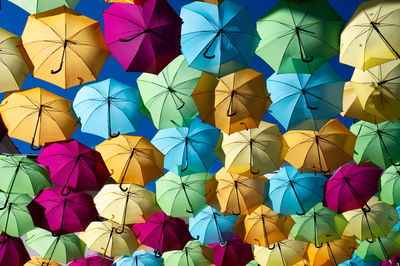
(235, 252)
(92, 260)
(12, 251)
(351, 187)
(143, 38)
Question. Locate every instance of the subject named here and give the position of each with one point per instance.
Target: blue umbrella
(211, 227)
(219, 39)
(139, 258)
(290, 192)
(357, 261)
(309, 100)
(188, 149)
(108, 100)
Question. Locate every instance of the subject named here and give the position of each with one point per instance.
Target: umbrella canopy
(135, 2)
(368, 38)
(12, 65)
(215, 2)
(380, 250)
(167, 95)
(356, 260)
(37, 6)
(252, 152)
(310, 100)
(320, 151)
(288, 192)
(37, 116)
(108, 99)
(139, 258)
(37, 261)
(132, 159)
(235, 252)
(234, 102)
(299, 36)
(92, 260)
(193, 254)
(389, 186)
(64, 47)
(143, 38)
(12, 251)
(188, 148)
(219, 39)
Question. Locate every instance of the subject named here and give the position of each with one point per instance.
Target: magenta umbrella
(12, 251)
(393, 261)
(60, 214)
(235, 252)
(143, 38)
(92, 260)
(74, 165)
(351, 187)
(163, 233)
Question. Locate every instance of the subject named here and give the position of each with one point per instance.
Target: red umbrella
(235, 252)
(12, 251)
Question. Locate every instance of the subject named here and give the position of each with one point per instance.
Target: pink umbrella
(163, 233)
(74, 165)
(393, 261)
(12, 251)
(235, 252)
(143, 38)
(351, 187)
(60, 214)
(92, 260)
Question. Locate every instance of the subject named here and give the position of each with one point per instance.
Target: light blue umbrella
(357, 261)
(188, 149)
(139, 258)
(108, 108)
(290, 192)
(309, 100)
(219, 39)
(211, 227)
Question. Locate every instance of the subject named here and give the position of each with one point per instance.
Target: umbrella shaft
(282, 257)
(330, 250)
(297, 196)
(385, 40)
(12, 184)
(54, 249)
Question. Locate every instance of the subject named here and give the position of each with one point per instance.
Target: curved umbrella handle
(312, 108)
(271, 247)
(122, 189)
(300, 214)
(12, 184)
(325, 172)
(223, 244)
(6, 202)
(306, 60)
(230, 114)
(120, 232)
(180, 107)
(370, 240)
(318, 245)
(62, 59)
(197, 237)
(114, 135)
(189, 211)
(210, 45)
(254, 172)
(68, 191)
(157, 254)
(33, 146)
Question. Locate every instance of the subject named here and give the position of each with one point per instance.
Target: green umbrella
(382, 249)
(63, 248)
(319, 225)
(390, 186)
(299, 37)
(252, 263)
(181, 196)
(37, 6)
(168, 95)
(193, 254)
(377, 144)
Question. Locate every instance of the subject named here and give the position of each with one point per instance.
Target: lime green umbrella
(382, 249)
(168, 95)
(390, 186)
(181, 196)
(299, 36)
(193, 254)
(37, 6)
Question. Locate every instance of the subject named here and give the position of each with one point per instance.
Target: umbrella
(91, 260)
(382, 249)
(252, 152)
(395, 259)
(193, 254)
(12, 65)
(181, 196)
(389, 186)
(234, 102)
(143, 38)
(37, 116)
(64, 47)
(309, 100)
(132, 159)
(219, 39)
(168, 95)
(37, 6)
(188, 147)
(135, 2)
(319, 225)
(357, 261)
(37, 261)
(299, 36)
(320, 151)
(12, 251)
(377, 144)
(288, 192)
(235, 252)
(74, 165)
(210, 227)
(108, 99)
(162, 233)
(139, 258)
(351, 187)
(368, 39)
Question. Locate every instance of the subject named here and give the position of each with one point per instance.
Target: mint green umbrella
(193, 254)
(37, 6)
(382, 249)
(390, 186)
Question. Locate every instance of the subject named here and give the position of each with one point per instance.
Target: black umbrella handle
(125, 211)
(383, 249)
(12, 185)
(372, 240)
(126, 170)
(174, 94)
(108, 243)
(303, 211)
(237, 200)
(62, 58)
(191, 210)
(303, 57)
(135, 36)
(5, 229)
(69, 177)
(357, 196)
(319, 156)
(316, 233)
(36, 127)
(229, 112)
(110, 134)
(385, 148)
(252, 170)
(221, 240)
(157, 253)
(187, 140)
(208, 47)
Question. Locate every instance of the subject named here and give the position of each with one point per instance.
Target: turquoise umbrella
(357, 261)
(139, 258)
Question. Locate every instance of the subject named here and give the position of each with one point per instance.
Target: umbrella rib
(123, 18)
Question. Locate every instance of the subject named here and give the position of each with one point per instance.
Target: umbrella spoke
(395, 53)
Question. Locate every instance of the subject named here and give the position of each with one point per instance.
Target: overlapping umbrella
(192, 254)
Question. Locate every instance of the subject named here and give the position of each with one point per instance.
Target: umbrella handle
(306, 60)
(223, 244)
(303, 58)
(121, 188)
(114, 135)
(120, 232)
(68, 191)
(12, 184)
(125, 210)
(6, 202)
(210, 45)
(62, 58)
(229, 112)
(271, 247)
(33, 147)
(157, 254)
(318, 245)
(300, 214)
(312, 108)
(370, 240)
(373, 24)
(197, 237)
(254, 172)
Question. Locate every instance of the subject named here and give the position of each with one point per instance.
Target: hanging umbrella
(37, 261)
(369, 38)
(320, 151)
(252, 152)
(309, 100)
(37, 116)
(392, 261)
(132, 159)
(193, 254)
(143, 38)
(234, 102)
(64, 47)
(168, 95)
(377, 144)
(351, 187)
(382, 249)
(181, 196)
(139, 258)
(108, 99)
(92, 260)
(357, 261)
(12, 251)
(37, 6)
(389, 186)
(288, 192)
(74, 165)
(299, 36)
(135, 2)
(235, 252)
(219, 39)
(187, 147)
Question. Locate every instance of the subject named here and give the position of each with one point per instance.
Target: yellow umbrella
(37, 116)
(64, 47)
(320, 151)
(37, 261)
(371, 37)
(252, 152)
(232, 103)
(132, 159)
